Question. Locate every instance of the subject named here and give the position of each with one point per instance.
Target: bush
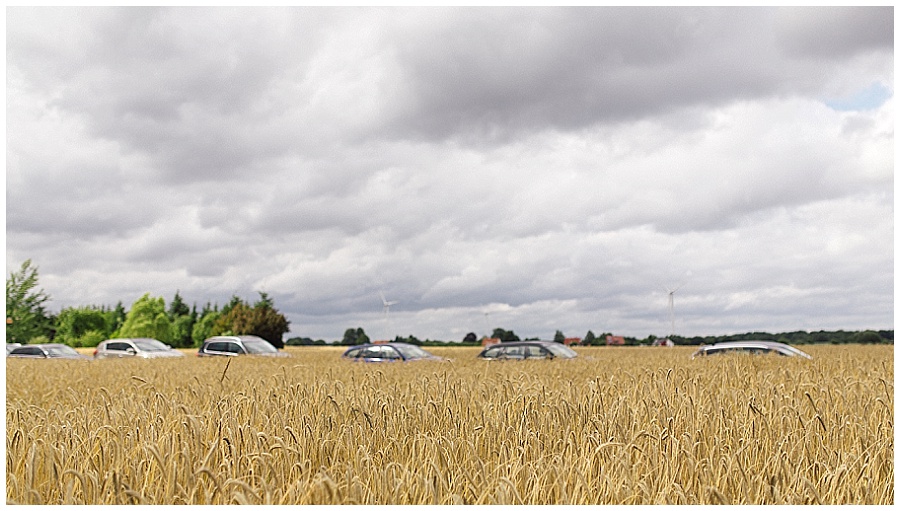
(90, 339)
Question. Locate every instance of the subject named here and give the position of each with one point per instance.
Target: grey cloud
(556, 166)
(494, 77)
(834, 32)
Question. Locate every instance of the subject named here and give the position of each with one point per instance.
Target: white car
(141, 347)
(753, 347)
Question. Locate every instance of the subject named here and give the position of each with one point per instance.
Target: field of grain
(615, 426)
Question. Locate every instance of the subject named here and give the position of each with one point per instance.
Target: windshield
(257, 345)
(149, 345)
(410, 352)
(560, 350)
(60, 351)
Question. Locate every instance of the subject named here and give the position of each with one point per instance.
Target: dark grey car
(522, 350)
(388, 352)
(46, 351)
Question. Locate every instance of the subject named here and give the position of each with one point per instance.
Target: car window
(117, 346)
(535, 352)
(29, 350)
(491, 353)
(561, 350)
(353, 353)
(378, 352)
(217, 346)
(258, 346)
(369, 352)
(150, 345)
(233, 347)
(410, 352)
(390, 352)
(59, 351)
(514, 352)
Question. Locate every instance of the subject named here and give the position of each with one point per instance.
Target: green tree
(183, 331)
(25, 314)
(82, 326)
(177, 307)
(505, 335)
(203, 327)
(147, 318)
(183, 319)
(867, 337)
(262, 320)
(115, 318)
(354, 336)
(559, 337)
(589, 338)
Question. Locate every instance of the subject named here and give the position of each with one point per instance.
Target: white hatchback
(140, 347)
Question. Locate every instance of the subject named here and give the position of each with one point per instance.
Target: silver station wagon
(523, 350)
(142, 347)
(234, 345)
(750, 347)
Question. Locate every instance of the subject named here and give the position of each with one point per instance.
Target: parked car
(141, 347)
(46, 351)
(11, 346)
(233, 345)
(388, 352)
(752, 347)
(522, 350)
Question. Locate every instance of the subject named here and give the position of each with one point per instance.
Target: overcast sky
(529, 169)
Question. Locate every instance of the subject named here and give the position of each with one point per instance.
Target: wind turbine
(386, 308)
(387, 305)
(672, 306)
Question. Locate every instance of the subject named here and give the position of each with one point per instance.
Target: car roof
(368, 344)
(746, 344)
(523, 343)
(233, 338)
(771, 345)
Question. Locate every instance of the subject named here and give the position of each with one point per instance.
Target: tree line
(28, 321)
(356, 336)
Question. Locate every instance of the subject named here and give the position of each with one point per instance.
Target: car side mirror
(130, 351)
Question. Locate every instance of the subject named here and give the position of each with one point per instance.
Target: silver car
(141, 347)
(521, 350)
(233, 345)
(752, 347)
(46, 351)
(387, 352)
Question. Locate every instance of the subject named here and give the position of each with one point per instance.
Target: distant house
(663, 342)
(615, 340)
(487, 341)
(572, 340)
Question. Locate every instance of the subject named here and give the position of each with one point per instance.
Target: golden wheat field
(614, 426)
